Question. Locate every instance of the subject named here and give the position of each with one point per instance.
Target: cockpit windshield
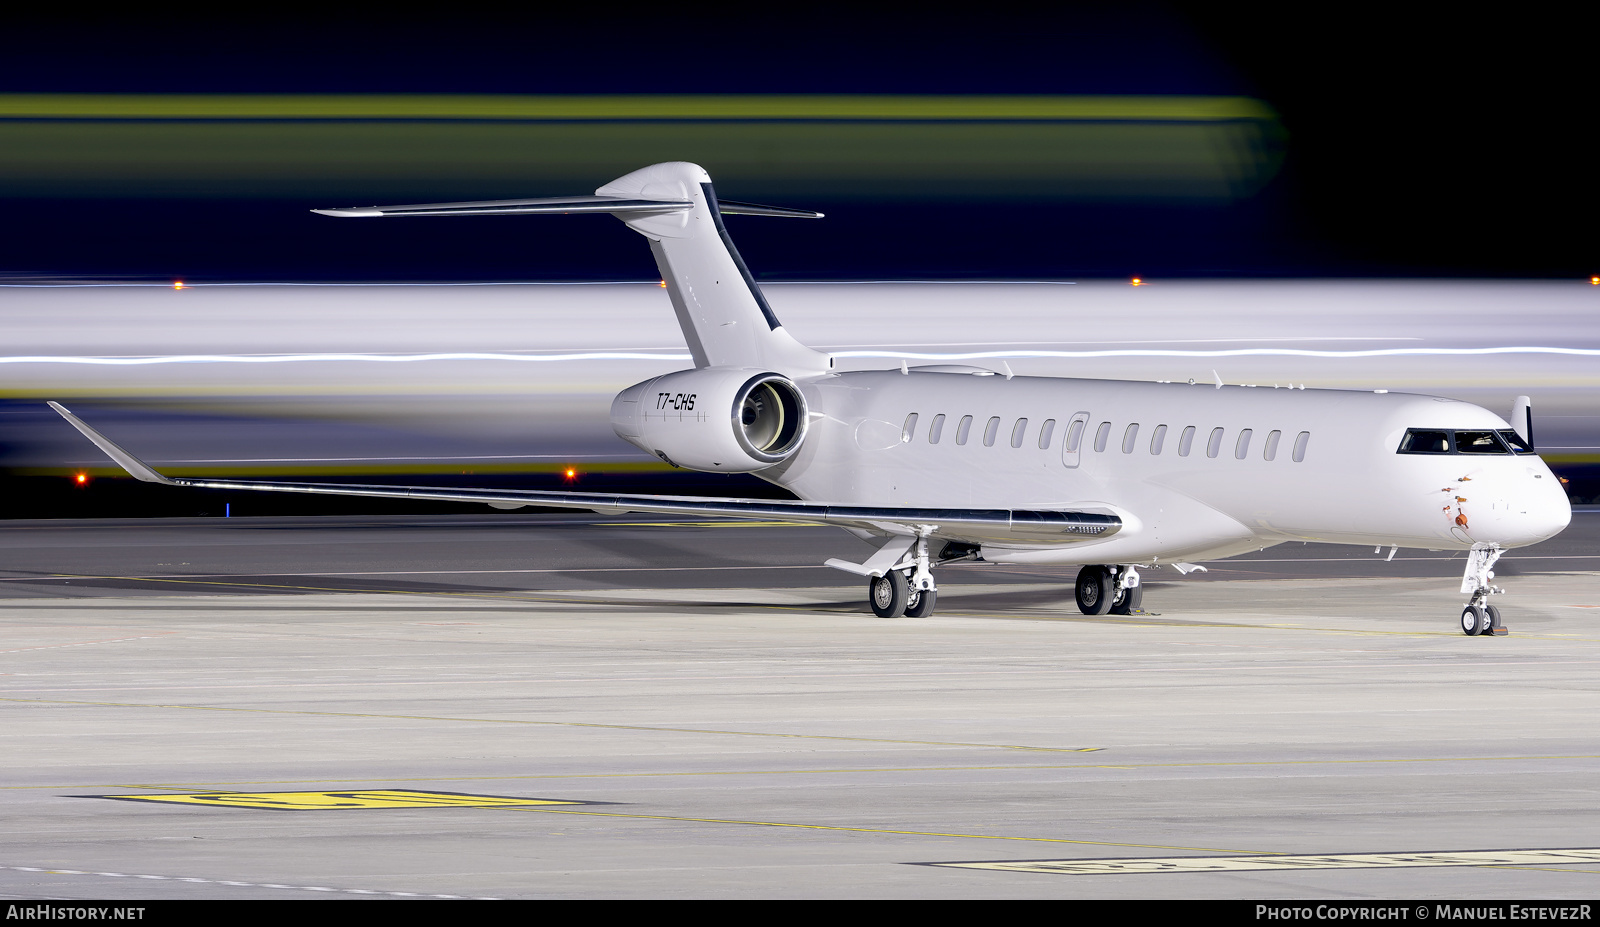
(1479, 442)
(1444, 441)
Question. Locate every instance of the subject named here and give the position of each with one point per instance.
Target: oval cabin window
(1271, 450)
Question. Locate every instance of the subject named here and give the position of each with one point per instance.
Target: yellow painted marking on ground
(1515, 868)
(191, 786)
(554, 599)
(872, 830)
(325, 801)
(405, 798)
(590, 724)
(1283, 862)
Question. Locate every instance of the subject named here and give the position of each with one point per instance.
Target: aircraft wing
(1047, 526)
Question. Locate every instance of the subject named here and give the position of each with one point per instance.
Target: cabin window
(1300, 442)
(1046, 432)
(1214, 446)
(1158, 438)
(1129, 437)
(1422, 441)
(1479, 442)
(909, 429)
(1074, 435)
(1018, 431)
(1100, 436)
(963, 428)
(990, 430)
(1271, 450)
(1243, 446)
(936, 429)
(1186, 441)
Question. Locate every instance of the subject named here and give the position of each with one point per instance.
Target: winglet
(136, 468)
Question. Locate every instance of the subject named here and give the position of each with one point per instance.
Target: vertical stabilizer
(724, 316)
(1522, 419)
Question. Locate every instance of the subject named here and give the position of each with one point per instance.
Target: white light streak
(337, 358)
(892, 355)
(1228, 352)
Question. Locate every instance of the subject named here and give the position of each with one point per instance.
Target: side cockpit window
(1518, 446)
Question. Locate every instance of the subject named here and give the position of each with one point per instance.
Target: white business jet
(943, 463)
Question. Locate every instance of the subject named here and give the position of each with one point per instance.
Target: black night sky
(1417, 145)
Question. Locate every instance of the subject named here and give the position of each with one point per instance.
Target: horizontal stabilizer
(726, 320)
(615, 205)
(561, 205)
(731, 208)
(1048, 526)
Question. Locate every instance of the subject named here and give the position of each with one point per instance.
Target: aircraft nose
(1538, 516)
(1551, 516)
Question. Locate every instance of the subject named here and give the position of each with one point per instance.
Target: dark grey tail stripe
(749, 281)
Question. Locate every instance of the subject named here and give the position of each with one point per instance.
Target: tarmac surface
(707, 713)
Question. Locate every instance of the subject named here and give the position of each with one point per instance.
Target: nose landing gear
(1479, 617)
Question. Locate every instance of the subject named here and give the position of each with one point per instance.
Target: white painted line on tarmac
(1148, 865)
(277, 885)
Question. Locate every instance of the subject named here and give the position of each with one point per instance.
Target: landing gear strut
(1479, 617)
(1109, 590)
(907, 587)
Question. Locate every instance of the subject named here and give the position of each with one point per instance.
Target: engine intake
(721, 419)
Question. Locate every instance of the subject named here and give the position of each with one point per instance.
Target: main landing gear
(1479, 617)
(893, 595)
(1109, 590)
(900, 575)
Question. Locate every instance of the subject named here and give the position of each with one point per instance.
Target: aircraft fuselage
(1194, 471)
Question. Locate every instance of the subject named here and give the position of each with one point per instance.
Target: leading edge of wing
(1047, 525)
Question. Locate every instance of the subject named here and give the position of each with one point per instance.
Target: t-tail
(725, 317)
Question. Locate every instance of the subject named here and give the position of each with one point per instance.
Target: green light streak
(630, 107)
(337, 150)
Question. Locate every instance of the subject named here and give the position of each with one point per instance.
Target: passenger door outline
(1072, 440)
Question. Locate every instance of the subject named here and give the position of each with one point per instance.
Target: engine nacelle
(722, 419)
